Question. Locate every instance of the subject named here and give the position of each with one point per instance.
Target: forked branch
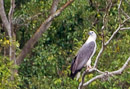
(108, 74)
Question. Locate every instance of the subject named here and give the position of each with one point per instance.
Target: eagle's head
(92, 34)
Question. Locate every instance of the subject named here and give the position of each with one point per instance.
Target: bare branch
(83, 76)
(119, 4)
(119, 11)
(108, 74)
(108, 7)
(3, 16)
(119, 27)
(99, 71)
(125, 13)
(113, 35)
(93, 79)
(87, 72)
(33, 17)
(127, 1)
(126, 20)
(125, 28)
(10, 14)
(121, 69)
(99, 54)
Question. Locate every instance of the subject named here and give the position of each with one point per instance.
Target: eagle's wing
(83, 56)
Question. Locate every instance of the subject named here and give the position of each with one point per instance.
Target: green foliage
(48, 65)
(6, 74)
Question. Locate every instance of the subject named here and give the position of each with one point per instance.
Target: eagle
(84, 55)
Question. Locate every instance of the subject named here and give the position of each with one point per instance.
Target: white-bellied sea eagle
(84, 55)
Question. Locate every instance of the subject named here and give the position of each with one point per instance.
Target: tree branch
(119, 11)
(45, 25)
(114, 33)
(125, 28)
(10, 14)
(119, 71)
(125, 13)
(87, 72)
(108, 7)
(99, 54)
(4, 17)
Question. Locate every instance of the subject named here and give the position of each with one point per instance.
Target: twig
(113, 35)
(108, 7)
(127, 1)
(125, 13)
(119, 11)
(125, 28)
(126, 20)
(119, 27)
(94, 78)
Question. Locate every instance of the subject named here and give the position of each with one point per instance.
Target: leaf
(90, 75)
(94, 83)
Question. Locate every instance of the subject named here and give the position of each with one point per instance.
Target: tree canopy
(39, 39)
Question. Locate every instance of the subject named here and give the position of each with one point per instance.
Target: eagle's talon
(88, 68)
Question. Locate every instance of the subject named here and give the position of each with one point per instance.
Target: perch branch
(119, 71)
(87, 72)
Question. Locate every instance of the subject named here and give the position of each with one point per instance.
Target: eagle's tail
(72, 75)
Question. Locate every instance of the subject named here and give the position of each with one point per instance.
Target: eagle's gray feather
(83, 56)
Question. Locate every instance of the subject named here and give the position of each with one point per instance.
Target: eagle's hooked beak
(89, 33)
